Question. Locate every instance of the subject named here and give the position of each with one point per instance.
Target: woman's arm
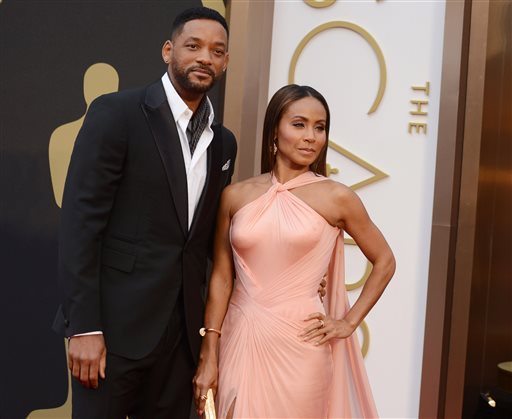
(219, 292)
(353, 218)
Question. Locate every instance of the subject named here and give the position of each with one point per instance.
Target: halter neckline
(300, 180)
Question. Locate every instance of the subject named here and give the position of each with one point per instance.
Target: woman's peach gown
(281, 249)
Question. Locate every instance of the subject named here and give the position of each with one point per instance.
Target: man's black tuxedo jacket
(125, 249)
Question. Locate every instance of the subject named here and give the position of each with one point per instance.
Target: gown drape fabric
(281, 250)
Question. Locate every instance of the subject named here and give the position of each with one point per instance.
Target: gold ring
(322, 324)
(204, 397)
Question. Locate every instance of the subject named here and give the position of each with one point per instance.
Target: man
(138, 216)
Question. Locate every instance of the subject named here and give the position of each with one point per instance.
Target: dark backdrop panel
(45, 48)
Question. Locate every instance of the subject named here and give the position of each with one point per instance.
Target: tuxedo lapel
(213, 172)
(161, 121)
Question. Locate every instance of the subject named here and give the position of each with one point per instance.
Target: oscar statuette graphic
(99, 79)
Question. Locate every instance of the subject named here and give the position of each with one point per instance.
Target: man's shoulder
(135, 95)
(228, 137)
(122, 96)
(225, 131)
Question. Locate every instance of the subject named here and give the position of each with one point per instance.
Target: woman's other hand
(205, 379)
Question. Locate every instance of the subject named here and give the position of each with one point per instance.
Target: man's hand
(87, 357)
(321, 288)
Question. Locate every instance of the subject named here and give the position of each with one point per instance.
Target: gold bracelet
(205, 330)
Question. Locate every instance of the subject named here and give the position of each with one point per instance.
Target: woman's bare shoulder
(237, 194)
(263, 179)
(256, 181)
(335, 189)
(338, 194)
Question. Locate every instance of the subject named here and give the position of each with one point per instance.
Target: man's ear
(167, 51)
(226, 61)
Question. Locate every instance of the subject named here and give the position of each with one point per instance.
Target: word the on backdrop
(420, 109)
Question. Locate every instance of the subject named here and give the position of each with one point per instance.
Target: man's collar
(178, 106)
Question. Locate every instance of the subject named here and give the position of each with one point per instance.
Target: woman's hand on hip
(321, 328)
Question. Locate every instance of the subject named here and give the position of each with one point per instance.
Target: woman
(282, 354)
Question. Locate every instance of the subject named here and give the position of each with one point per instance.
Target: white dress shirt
(196, 165)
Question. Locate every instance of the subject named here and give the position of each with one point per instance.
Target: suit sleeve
(229, 141)
(233, 150)
(93, 178)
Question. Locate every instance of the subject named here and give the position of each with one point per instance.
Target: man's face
(197, 56)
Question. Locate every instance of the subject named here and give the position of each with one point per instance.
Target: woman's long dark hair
(275, 109)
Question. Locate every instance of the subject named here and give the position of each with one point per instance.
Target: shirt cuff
(97, 332)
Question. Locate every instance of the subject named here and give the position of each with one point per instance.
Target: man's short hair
(193, 14)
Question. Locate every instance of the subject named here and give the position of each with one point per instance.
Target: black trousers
(154, 387)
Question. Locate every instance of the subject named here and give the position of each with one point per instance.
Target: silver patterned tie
(197, 124)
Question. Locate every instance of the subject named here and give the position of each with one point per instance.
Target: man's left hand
(322, 288)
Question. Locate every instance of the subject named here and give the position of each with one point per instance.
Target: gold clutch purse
(209, 406)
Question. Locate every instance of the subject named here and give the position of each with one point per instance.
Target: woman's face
(301, 133)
